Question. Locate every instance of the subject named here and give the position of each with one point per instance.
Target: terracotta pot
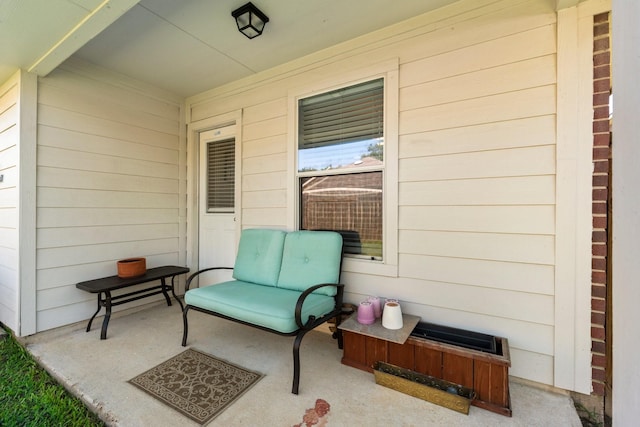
(132, 267)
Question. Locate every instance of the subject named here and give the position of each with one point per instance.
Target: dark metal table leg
(107, 316)
(164, 291)
(173, 291)
(95, 314)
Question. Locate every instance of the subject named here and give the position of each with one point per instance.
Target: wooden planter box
(486, 374)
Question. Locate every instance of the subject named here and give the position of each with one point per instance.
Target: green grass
(29, 396)
(588, 418)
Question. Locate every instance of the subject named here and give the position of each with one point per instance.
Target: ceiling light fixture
(250, 20)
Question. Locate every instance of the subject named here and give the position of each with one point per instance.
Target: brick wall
(601, 183)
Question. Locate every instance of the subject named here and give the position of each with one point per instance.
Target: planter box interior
(459, 337)
(486, 373)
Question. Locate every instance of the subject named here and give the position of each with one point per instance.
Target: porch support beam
(27, 148)
(97, 20)
(564, 4)
(626, 212)
(572, 361)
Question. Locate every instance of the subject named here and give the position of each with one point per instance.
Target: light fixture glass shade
(250, 20)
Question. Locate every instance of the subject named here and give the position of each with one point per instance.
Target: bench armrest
(307, 292)
(193, 276)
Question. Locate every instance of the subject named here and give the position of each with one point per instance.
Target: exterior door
(217, 203)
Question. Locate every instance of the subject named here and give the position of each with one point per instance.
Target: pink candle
(366, 315)
(377, 307)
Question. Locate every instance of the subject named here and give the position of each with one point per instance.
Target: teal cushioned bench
(285, 283)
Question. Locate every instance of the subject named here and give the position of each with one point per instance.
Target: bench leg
(338, 333)
(186, 326)
(173, 291)
(296, 361)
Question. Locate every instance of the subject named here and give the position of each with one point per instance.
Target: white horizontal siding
(94, 144)
(100, 199)
(526, 132)
(55, 277)
(523, 335)
(469, 60)
(264, 181)
(531, 190)
(528, 161)
(102, 163)
(264, 111)
(477, 165)
(537, 101)
(108, 185)
(9, 201)
(477, 181)
(522, 248)
(506, 78)
(482, 273)
(95, 103)
(264, 146)
(523, 219)
(81, 236)
(9, 238)
(84, 123)
(85, 179)
(266, 198)
(264, 217)
(499, 303)
(264, 164)
(72, 255)
(532, 365)
(495, 21)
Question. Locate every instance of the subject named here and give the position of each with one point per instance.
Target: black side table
(105, 285)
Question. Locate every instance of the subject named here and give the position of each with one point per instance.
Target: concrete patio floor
(98, 370)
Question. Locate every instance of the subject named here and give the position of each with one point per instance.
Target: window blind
(354, 113)
(221, 175)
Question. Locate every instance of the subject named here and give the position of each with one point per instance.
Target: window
(340, 158)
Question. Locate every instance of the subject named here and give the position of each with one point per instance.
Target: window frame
(389, 71)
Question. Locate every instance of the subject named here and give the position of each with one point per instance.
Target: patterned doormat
(196, 384)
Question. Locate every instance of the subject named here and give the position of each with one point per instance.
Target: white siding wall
(9, 156)
(477, 166)
(477, 186)
(110, 184)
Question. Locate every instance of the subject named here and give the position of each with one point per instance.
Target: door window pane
(221, 175)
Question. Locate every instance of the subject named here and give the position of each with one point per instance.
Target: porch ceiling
(185, 46)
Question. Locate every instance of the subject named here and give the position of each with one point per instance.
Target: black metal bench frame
(311, 324)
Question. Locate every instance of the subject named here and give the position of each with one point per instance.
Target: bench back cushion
(259, 256)
(311, 258)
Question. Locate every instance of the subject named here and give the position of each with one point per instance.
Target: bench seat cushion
(266, 306)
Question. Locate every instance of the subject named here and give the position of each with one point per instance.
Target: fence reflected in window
(350, 204)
